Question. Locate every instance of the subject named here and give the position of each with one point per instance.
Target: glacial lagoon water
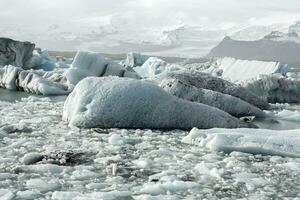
(130, 164)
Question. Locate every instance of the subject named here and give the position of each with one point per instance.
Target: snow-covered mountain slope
(295, 28)
(251, 33)
(112, 36)
(266, 49)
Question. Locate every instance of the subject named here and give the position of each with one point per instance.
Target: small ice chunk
(65, 195)
(6, 194)
(143, 163)
(42, 185)
(31, 158)
(28, 194)
(116, 139)
(168, 187)
(84, 174)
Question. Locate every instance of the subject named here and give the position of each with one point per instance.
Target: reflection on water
(13, 96)
(277, 124)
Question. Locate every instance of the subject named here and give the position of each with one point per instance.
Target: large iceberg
(225, 102)
(15, 53)
(260, 141)
(240, 70)
(87, 64)
(206, 81)
(276, 88)
(37, 82)
(112, 102)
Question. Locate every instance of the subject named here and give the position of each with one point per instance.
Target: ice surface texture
(267, 142)
(94, 64)
(111, 102)
(276, 87)
(15, 53)
(206, 81)
(230, 104)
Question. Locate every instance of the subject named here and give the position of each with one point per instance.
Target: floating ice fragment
(259, 141)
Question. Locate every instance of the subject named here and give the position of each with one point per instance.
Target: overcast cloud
(210, 13)
(27, 17)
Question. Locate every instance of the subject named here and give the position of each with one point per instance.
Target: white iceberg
(156, 66)
(36, 82)
(259, 141)
(8, 76)
(240, 70)
(276, 87)
(87, 64)
(134, 59)
(112, 102)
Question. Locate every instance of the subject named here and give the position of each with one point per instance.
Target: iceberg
(112, 102)
(134, 59)
(156, 66)
(276, 88)
(206, 81)
(225, 102)
(237, 70)
(32, 81)
(15, 53)
(259, 141)
(87, 64)
(42, 60)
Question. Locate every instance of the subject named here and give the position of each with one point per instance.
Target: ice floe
(261, 141)
(112, 102)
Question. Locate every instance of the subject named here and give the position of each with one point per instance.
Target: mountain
(276, 46)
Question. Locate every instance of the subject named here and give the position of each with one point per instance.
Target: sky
(133, 19)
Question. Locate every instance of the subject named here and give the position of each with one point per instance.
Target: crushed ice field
(129, 164)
